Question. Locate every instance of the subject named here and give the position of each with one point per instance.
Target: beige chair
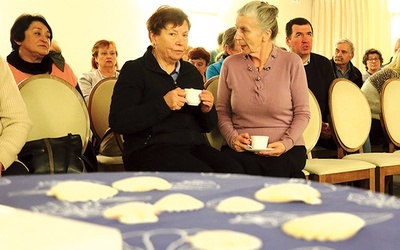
(99, 109)
(55, 108)
(214, 138)
(332, 170)
(390, 115)
(351, 123)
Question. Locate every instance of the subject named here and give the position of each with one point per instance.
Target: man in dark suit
(299, 38)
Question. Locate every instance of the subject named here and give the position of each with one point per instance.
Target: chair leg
(380, 179)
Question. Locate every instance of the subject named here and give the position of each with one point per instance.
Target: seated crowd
(263, 90)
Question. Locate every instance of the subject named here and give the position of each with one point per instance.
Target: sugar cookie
(239, 204)
(224, 239)
(335, 226)
(287, 192)
(74, 191)
(177, 203)
(132, 213)
(142, 184)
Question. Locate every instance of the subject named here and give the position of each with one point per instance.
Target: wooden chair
(332, 170)
(214, 137)
(99, 109)
(55, 108)
(351, 123)
(390, 112)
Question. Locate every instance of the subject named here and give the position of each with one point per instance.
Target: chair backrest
(214, 137)
(350, 114)
(390, 110)
(212, 85)
(99, 105)
(55, 108)
(313, 130)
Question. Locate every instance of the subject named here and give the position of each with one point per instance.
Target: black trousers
(289, 164)
(376, 135)
(181, 158)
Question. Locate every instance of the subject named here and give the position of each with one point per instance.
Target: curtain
(365, 22)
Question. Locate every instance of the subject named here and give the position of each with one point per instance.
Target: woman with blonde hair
(104, 65)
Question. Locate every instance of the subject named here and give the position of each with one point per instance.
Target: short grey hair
(265, 13)
(345, 40)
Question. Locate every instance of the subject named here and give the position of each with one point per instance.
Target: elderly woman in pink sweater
(263, 91)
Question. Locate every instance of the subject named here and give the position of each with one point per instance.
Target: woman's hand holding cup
(175, 99)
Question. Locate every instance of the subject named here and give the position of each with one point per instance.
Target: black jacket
(354, 74)
(139, 112)
(319, 77)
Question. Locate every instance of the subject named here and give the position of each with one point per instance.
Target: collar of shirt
(340, 74)
(307, 62)
(175, 73)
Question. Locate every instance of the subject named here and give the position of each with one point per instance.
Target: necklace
(256, 71)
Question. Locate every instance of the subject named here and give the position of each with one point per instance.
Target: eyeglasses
(373, 59)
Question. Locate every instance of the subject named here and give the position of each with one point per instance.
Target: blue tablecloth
(380, 211)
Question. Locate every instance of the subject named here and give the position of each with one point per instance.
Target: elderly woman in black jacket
(161, 131)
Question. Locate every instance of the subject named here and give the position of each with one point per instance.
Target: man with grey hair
(341, 62)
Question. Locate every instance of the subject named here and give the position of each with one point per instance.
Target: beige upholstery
(349, 106)
(332, 170)
(214, 137)
(390, 115)
(99, 105)
(55, 108)
(99, 109)
(313, 129)
(351, 122)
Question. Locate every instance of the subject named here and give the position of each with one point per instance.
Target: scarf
(379, 78)
(43, 67)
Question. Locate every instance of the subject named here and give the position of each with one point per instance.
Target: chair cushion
(378, 159)
(107, 160)
(332, 166)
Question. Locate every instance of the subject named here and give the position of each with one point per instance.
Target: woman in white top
(104, 65)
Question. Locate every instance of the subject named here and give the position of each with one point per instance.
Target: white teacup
(259, 141)
(192, 96)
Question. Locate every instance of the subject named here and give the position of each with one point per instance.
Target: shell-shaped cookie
(178, 203)
(81, 191)
(288, 192)
(239, 204)
(142, 184)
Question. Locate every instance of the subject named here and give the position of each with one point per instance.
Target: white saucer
(259, 149)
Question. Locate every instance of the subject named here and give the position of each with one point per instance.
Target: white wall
(78, 24)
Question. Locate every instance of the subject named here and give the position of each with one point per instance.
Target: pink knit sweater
(68, 75)
(271, 102)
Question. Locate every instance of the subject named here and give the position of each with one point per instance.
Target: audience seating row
(350, 121)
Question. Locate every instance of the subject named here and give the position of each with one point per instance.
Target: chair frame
(106, 163)
(95, 129)
(367, 176)
(386, 164)
(85, 138)
(215, 133)
(384, 116)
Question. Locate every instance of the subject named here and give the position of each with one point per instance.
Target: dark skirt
(289, 164)
(181, 158)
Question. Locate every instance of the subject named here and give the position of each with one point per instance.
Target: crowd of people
(263, 90)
